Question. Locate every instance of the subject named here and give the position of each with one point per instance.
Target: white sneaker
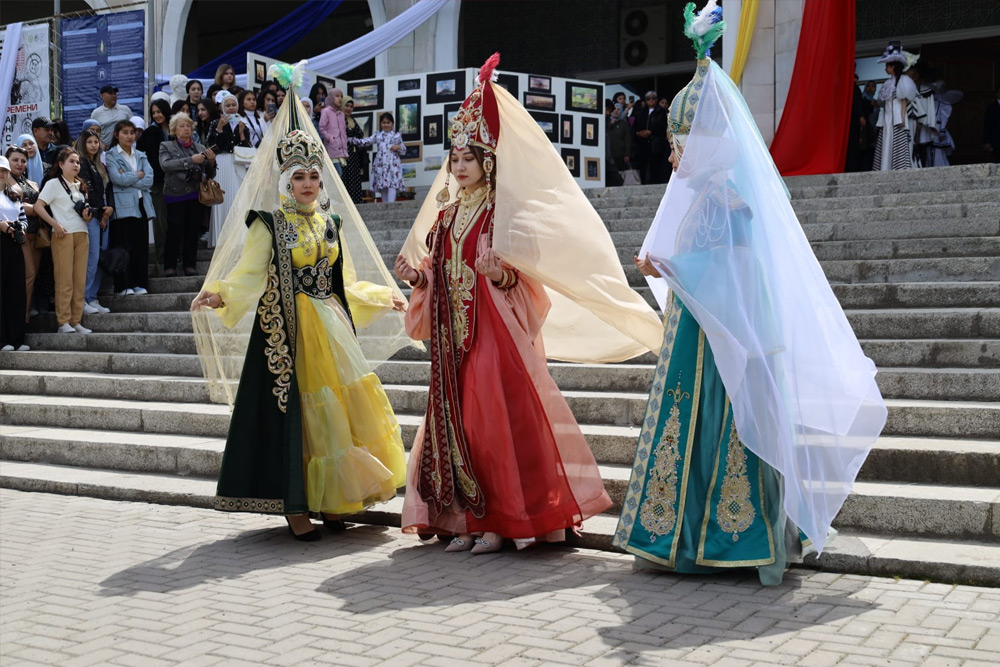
(90, 310)
(24, 348)
(139, 291)
(126, 292)
(79, 328)
(97, 304)
(65, 328)
(7, 348)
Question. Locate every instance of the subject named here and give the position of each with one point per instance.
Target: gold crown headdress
(298, 150)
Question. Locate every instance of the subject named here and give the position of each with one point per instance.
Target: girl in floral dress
(387, 173)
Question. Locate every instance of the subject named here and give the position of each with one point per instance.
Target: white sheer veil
(729, 244)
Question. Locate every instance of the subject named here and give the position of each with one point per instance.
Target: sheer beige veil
(222, 350)
(546, 228)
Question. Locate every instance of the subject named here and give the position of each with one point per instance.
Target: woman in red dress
(500, 454)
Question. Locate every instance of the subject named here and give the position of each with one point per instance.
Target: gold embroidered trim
(658, 514)
(260, 505)
(461, 281)
(276, 349)
(735, 512)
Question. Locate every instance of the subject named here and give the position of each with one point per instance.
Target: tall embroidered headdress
(477, 123)
(703, 29)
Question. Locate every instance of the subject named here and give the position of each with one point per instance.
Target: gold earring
(444, 196)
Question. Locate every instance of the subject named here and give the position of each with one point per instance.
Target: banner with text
(107, 49)
(29, 94)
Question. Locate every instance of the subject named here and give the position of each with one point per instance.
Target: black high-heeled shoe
(334, 525)
(310, 536)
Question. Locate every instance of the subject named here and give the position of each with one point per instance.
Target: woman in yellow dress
(312, 431)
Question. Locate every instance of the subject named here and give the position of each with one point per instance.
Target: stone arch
(172, 29)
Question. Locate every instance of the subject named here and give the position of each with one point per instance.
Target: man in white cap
(109, 113)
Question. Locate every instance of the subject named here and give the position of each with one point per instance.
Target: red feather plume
(486, 71)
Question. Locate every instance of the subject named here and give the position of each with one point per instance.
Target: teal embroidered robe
(698, 500)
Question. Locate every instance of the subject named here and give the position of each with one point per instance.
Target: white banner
(29, 93)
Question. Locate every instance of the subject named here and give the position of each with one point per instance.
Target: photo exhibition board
(258, 64)
(570, 112)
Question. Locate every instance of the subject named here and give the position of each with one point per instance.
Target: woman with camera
(93, 173)
(132, 180)
(227, 132)
(65, 195)
(13, 223)
(184, 163)
(18, 158)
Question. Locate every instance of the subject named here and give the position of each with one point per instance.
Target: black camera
(18, 234)
(78, 206)
(81, 206)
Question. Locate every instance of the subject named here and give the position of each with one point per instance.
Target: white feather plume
(704, 22)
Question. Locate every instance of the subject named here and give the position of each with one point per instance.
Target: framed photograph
(539, 84)
(566, 128)
(449, 112)
(571, 156)
(589, 131)
(434, 130)
(409, 172)
(540, 101)
(549, 122)
(433, 162)
(592, 168)
(367, 94)
(584, 97)
(406, 85)
(510, 83)
(329, 84)
(414, 152)
(259, 71)
(408, 118)
(364, 121)
(444, 87)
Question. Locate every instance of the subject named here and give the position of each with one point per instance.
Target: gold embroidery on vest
(735, 512)
(659, 510)
(461, 280)
(272, 323)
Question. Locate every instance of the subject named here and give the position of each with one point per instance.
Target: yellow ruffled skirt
(353, 452)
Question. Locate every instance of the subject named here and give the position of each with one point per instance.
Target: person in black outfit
(650, 150)
(991, 128)
(149, 143)
(856, 127)
(13, 224)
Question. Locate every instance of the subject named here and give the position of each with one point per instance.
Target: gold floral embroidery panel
(735, 512)
(276, 349)
(658, 514)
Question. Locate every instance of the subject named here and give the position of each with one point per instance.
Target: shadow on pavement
(635, 611)
(230, 558)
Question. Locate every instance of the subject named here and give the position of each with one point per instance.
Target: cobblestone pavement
(95, 582)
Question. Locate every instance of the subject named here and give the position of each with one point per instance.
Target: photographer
(185, 164)
(65, 195)
(132, 180)
(13, 223)
(93, 173)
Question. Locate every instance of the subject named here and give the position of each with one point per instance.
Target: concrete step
(869, 296)
(969, 384)
(907, 417)
(949, 323)
(958, 173)
(145, 343)
(945, 559)
(900, 200)
(892, 459)
(933, 353)
(890, 188)
(857, 295)
(972, 246)
(883, 507)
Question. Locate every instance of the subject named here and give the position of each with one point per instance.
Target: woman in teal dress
(763, 406)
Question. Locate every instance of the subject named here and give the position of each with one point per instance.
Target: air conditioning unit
(644, 36)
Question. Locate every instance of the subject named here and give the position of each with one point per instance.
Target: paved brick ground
(94, 582)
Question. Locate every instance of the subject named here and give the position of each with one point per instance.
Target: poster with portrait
(29, 92)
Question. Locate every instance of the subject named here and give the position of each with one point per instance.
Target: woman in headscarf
(227, 132)
(356, 155)
(333, 129)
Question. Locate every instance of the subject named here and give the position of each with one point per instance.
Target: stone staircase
(914, 257)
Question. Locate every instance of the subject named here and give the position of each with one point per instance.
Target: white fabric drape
(8, 65)
(728, 243)
(347, 57)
